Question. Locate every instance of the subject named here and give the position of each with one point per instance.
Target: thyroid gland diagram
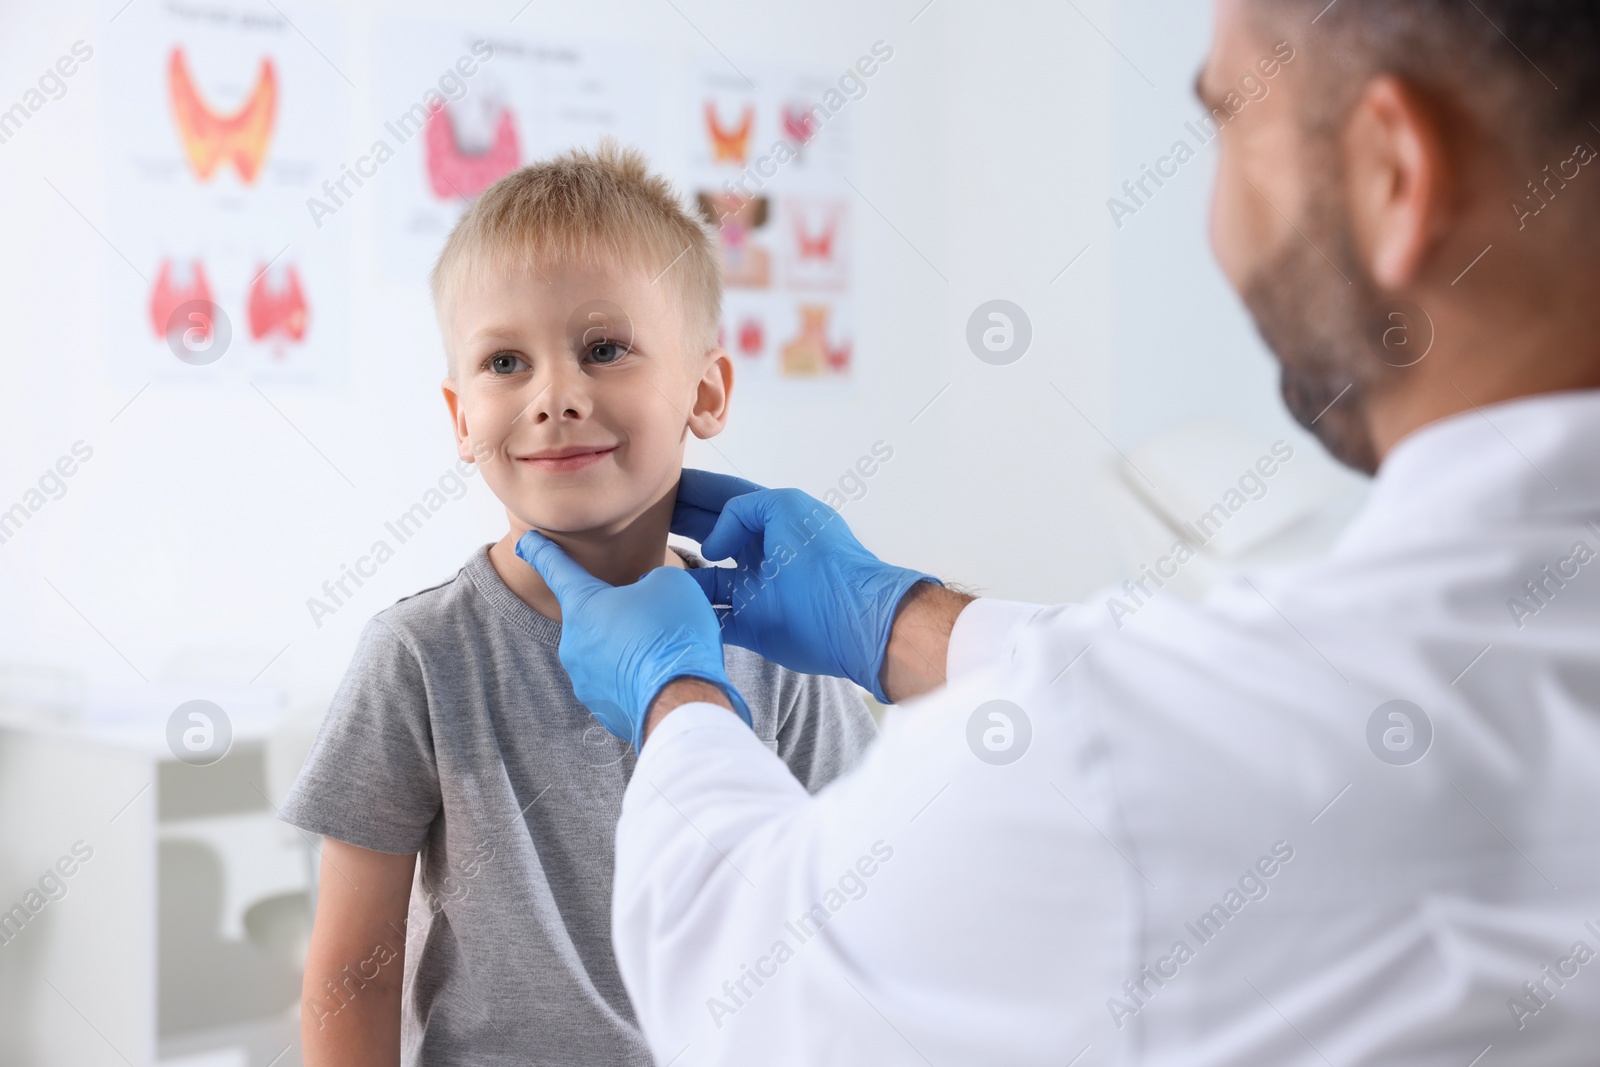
(816, 258)
(169, 293)
(454, 171)
(745, 264)
(209, 138)
(730, 144)
(799, 124)
(275, 309)
(819, 245)
(809, 353)
(752, 338)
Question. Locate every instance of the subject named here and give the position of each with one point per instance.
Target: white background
(984, 152)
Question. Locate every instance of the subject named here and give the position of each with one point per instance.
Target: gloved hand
(621, 645)
(804, 593)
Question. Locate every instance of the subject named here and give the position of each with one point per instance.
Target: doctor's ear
(1401, 177)
(709, 412)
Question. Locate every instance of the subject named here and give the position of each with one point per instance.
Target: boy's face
(573, 389)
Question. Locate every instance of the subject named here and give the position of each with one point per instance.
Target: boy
(579, 306)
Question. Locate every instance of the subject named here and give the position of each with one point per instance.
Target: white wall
(1185, 347)
(185, 550)
(187, 547)
(985, 152)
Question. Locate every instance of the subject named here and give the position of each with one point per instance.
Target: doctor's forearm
(681, 691)
(919, 643)
(914, 662)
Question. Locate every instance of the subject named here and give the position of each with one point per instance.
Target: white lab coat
(1199, 857)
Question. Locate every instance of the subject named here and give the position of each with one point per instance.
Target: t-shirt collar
(516, 610)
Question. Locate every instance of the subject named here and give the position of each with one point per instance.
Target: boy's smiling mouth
(563, 460)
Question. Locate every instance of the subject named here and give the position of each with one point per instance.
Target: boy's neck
(619, 558)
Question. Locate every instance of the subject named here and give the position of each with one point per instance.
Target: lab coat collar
(1532, 459)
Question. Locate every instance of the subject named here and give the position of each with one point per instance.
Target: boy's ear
(709, 414)
(458, 420)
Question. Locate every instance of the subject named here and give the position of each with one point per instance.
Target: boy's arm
(350, 1001)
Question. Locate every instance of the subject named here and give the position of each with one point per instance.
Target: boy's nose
(563, 396)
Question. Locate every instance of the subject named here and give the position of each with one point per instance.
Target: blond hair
(594, 208)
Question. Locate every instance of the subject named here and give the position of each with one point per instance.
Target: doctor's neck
(1515, 345)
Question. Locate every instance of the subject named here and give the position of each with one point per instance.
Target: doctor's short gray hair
(1528, 69)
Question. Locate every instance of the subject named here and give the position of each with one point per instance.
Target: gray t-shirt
(455, 734)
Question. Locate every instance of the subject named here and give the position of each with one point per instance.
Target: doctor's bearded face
(1281, 232)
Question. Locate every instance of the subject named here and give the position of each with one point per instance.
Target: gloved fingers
(743, 518)
(706, 578)
(566, 579)
(702, 495)
(805, 516)
(715, 582)
(797, 518)
(693, 521)
(674, 582)
(700, 500)
(710, 490)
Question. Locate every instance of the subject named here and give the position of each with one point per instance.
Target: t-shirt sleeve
(825, 728)
(371, 779)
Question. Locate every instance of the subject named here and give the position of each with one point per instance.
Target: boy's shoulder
(461, 609)
(416, 614)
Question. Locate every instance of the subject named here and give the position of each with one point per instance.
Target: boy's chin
(579, 522)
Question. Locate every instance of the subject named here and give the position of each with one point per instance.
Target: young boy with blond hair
(579, 305)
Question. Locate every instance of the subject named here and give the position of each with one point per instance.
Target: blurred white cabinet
(178, 935)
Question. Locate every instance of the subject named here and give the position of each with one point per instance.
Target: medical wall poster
(227, 117)
(767, 161)
(461, 106)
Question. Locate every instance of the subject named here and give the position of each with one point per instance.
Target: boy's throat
(617, 561)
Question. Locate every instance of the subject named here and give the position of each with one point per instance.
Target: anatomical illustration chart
(244, 166)
(462, 106)
(228, 117)
(767, 163)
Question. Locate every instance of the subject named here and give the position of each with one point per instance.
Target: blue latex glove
(803, 593)
(621, 645)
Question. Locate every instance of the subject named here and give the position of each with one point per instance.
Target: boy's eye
(606, 352)
(504, 363)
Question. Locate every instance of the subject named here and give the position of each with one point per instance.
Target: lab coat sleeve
(754, 923)
(985, 636)
(717, 845)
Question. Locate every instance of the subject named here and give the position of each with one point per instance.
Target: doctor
(1346, 813)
